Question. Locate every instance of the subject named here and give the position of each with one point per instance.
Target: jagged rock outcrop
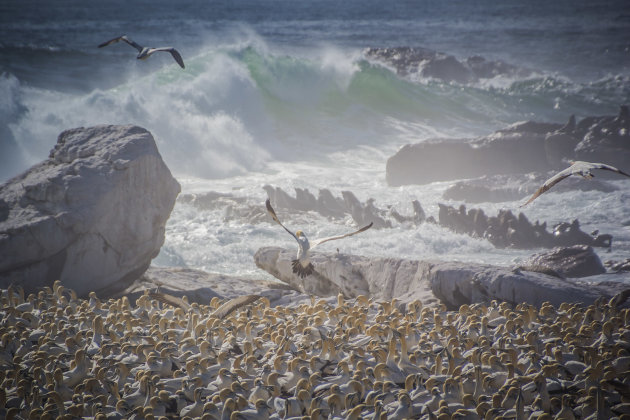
(454, 283)
(326, 204)
(521, 148)
(616, 266)
(607, 140)
(560, 144)
(508, 230)
(330, 206)
(436, 65)
(572, 261)
(92, 215)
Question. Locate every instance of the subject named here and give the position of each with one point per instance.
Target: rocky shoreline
(94, 174)
(363, 337)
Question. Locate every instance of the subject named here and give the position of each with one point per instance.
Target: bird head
(299, 233)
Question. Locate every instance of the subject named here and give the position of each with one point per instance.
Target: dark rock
(417, 218)
(560, 148)
(329, 206)
(281, 198)
(573, 261)
(506, 152)
(418, 212)
(448, 69)
(440, 66)
(569, 127)
(607, 140)
(616, 266)
(507, 230)
(520, 148)
(305, 200)
(569, 234)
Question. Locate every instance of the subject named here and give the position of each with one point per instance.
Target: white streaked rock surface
(92, 215)
(454, 283)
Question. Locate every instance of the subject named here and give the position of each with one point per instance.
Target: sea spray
(239, 106)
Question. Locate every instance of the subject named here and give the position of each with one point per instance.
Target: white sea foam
(204, 239)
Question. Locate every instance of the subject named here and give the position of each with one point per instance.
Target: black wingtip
(110, 41)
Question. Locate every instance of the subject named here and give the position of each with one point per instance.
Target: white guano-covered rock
(453, 283)
(352, 275)
(92, 215)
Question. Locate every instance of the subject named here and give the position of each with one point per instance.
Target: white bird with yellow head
(302, 265)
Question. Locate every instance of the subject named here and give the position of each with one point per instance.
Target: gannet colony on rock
(62, 358)
(145, 52)
(302, 265)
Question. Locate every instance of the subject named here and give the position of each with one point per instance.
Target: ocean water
(282, 93)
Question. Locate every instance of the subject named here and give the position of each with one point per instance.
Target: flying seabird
(302, 265)
(145, 52)
(577, 168)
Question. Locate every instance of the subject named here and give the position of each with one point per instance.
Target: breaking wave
(239, 106)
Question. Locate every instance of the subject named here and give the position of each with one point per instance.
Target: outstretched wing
(332, 238)
(578, 167)
(169, 299)
(272, 213)
(173, 52)
(610, 168)
(233, 304)
(121, 38)
(550, 183)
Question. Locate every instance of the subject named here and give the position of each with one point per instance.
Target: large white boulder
(92, 215)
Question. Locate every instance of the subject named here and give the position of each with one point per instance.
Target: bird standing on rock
(302, 265)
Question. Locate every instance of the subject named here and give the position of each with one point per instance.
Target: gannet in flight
(302, 265)
(145, 52)
(577, 168)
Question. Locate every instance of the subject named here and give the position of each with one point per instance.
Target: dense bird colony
(62, 357)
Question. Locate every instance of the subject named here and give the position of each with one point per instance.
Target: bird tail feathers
(300, 270)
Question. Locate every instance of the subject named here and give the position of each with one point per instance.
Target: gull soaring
(577, 168)
(145, 52)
